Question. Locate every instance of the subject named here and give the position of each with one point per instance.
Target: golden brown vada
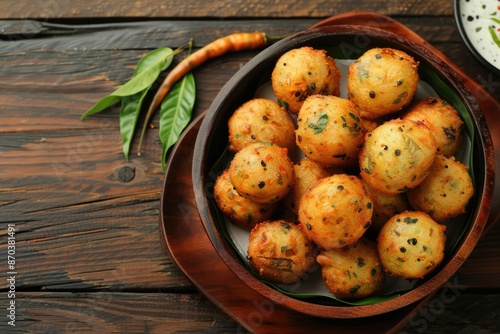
(336, 211)
(445, 192)
(385, 206)
(302, 72)
(239, 210)
(382, 81)
(352, 272)
(397, 155)
(329, 131)
(260, 120)
(443, 121)
(411, 245)
(280, 252)
(262, 172)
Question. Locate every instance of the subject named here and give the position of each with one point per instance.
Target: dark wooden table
(88, 253)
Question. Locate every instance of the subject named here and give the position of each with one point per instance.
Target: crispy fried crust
(241, 211)
(302, 72)
(261, 120)
(445, 192)
(397, 156)
(443, 121)
(352, 272)
(262, 172)
(382, 81)
(336, 211)
(385, 206)
(307, 173)
(280, 252)
(329, 131)
(411, 245)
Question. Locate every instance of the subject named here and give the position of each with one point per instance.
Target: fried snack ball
(352, 272)
(411, 245)
(336, 211)
(262, 172)
(445, 192)
(280, 252)
(302, 72)
(442, 119)
(240, 211)
(260, 120)
(385, 206)
(307, 173)
(329, 131)
(397, 155)
(382, 81)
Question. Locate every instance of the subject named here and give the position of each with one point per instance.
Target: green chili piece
(354, 289)
(320, 124)
(283, 104)
(410, 220)
(399, 98)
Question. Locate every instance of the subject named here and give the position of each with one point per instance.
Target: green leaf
(129, 113)
(494, 36)
(150, 69)
(175, 113)
(131, 105)
(161, 55)
(147, 75)
(101, 105)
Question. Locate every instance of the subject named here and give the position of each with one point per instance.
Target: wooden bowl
(212, 141)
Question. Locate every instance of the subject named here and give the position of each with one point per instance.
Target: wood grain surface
(213, 9)
(132, 312)
(89, 256)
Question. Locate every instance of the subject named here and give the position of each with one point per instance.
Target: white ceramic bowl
(479, 24)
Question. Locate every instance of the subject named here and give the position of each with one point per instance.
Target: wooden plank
(451, 311)
(481, 268)
(213, 9)
(141, 35)
(455, 311)
(96, 39)
(115, 312)
(203, 31)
